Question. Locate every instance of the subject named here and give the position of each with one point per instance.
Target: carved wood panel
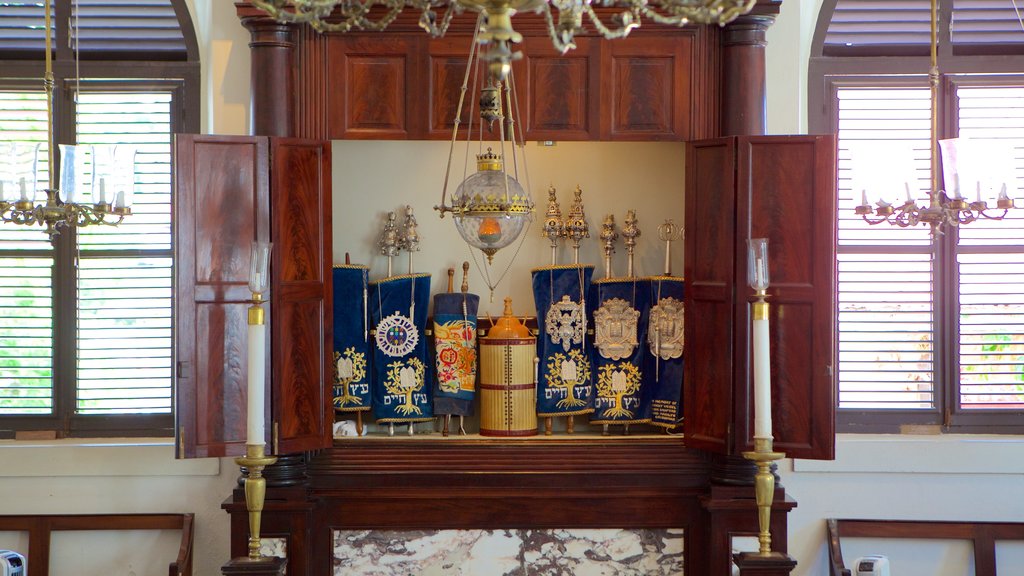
(707, 382)
(301, 333)
(446, 71)
(220, 203)
(646, 89)
(371, 85)
(559, 94)
(225, 187)
(781, 188)
(789, 176)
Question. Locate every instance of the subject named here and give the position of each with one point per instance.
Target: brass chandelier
(564, 18)
(942, 209)
(56, 212)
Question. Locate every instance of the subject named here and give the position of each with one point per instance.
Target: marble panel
(563, 552)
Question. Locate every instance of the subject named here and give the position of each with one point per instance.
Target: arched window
(85, 320)
(931, 328)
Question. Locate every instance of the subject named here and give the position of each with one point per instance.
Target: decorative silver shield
(564, 322)
(615, 324)
(665, 329)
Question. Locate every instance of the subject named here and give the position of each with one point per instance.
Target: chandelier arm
(428, 23)
(873, 221)
(630, 19)
(965, 216)
(458, 116)
(984, 214)
(556, 39)
(719, 12)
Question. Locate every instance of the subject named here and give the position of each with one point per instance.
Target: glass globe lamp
(490, 207)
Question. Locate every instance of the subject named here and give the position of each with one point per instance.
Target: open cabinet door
(229, 191)
(221, 203)
(301, 331)
(781, 188)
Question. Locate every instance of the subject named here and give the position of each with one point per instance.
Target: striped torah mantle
(508, 387)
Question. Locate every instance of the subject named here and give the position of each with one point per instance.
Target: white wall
(947, 478)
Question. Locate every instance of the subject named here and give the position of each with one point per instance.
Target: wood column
(272, 99)
(743, 75)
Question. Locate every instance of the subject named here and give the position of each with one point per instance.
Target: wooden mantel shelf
(651, 462)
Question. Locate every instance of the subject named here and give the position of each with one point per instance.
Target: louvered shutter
(111, 26)
(26, 277)
(124, 272)
(990, 260)
(21, 26)
(886, 308)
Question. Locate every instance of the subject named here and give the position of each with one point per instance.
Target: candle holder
(764, 489)
(254, 461)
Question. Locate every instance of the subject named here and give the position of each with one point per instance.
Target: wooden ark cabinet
(781, 188)
(403, 85)
(229, 191)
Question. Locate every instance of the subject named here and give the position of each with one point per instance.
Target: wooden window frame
(180, 78)
(826, 75)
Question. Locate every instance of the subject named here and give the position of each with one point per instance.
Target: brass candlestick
(254, 461)
(764, 490)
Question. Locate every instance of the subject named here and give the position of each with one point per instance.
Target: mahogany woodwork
(221, 205)
(266, 566)
(231, 191)
(744, 83)
(372, 86)
(645, 94)
(754, 564)
(301, 290)
(983, 537)
(732, 512)
(781, 188)
(40, 528)
(399, 85)
(560, 94)
(272, 78)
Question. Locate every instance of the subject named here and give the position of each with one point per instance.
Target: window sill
(922, 454)
(99, 457)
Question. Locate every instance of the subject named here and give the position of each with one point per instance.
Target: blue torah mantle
(622, 387)
(455, 352)
(565, 385)
(402, 369)
(663, 350)
(351, 338)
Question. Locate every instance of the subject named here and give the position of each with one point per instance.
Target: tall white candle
(757, 278)
(762, 380)
(103, 190)
(256, 429)
(24, 190)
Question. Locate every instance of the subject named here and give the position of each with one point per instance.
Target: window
(931, 329)
(85, 320)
